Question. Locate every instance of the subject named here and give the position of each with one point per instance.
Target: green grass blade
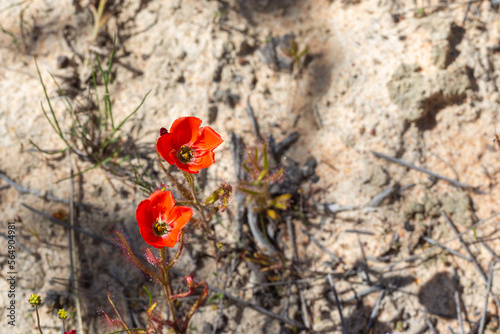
(55, 126)
(47, 152)
(110, 138)
(106, 93)
(88, 169)
(149, 294)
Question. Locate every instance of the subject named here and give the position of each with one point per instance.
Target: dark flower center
(185, 154)
(160, 227)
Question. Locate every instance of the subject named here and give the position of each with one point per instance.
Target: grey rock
(432, 206)
(412, 209)
(453, 83)
(459, 206)
(378, 176)
(441, 54)
(410, 90)
(417, 96)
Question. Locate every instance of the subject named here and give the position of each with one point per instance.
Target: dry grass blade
(72, 247)
(38, 193)
(449, 250)
(373, 315)
(482, 323)
(253, 121)
(334, 258)
(459, 312)
(260, 309)
(467, 250)
(61, 223)
(337, 301)
(426, 171)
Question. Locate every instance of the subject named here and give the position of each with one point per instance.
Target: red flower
(187, 145)
(73, 331)
(160, 222)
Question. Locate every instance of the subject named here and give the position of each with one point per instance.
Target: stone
(460, 207)
(412, 209)
(432, 206)
(453, 83)
(410, 90)
(441, 54)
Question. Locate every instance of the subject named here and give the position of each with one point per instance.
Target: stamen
(185, 154)
(161, 227)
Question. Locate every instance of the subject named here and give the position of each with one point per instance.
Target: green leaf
(149, 294)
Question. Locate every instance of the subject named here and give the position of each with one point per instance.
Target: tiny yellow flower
(62, 314)
(35, 300)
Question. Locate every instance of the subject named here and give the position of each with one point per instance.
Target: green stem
(179, 251)
(38, 320)
(197, 203)
(200, 207)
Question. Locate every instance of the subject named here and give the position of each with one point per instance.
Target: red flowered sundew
(160, 221)
(187, 145)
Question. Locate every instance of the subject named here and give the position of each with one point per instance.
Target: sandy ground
(414, 80)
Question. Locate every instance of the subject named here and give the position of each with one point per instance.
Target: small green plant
(293, 52)
(19, 41)
(260, 177)
(93, 134)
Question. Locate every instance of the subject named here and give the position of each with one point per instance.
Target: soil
(414, 80)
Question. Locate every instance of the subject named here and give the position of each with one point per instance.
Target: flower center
(160, 227)
(185, 154)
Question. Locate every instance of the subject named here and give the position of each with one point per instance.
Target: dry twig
(426, 171)
(467, 250)
(482, 323)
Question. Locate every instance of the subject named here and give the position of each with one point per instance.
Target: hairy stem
(166, 286)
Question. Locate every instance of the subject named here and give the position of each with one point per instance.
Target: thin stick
(291, 236)
(365, 263)
(430, 325)
(259, 309)
(38, 193)
(61, 223)
(449, 250)
(418, 256)
(323, 248)
(381, 196)
(373, 315)
(426, 171)
(488, 290)
(360, 232)
(72, 246)
(364, 293)
(337, 301)
(474, 262)
(491, 251)
(305, 314)
(459, 312)
(253, 121)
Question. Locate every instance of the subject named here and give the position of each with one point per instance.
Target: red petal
(204, 160)
(207, 140)
(186, 130)
(185, 167)
(165, 198)
(179, 217)
(145, 220)
(167, 147)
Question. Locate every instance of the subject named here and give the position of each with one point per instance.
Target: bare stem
(38, 320)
